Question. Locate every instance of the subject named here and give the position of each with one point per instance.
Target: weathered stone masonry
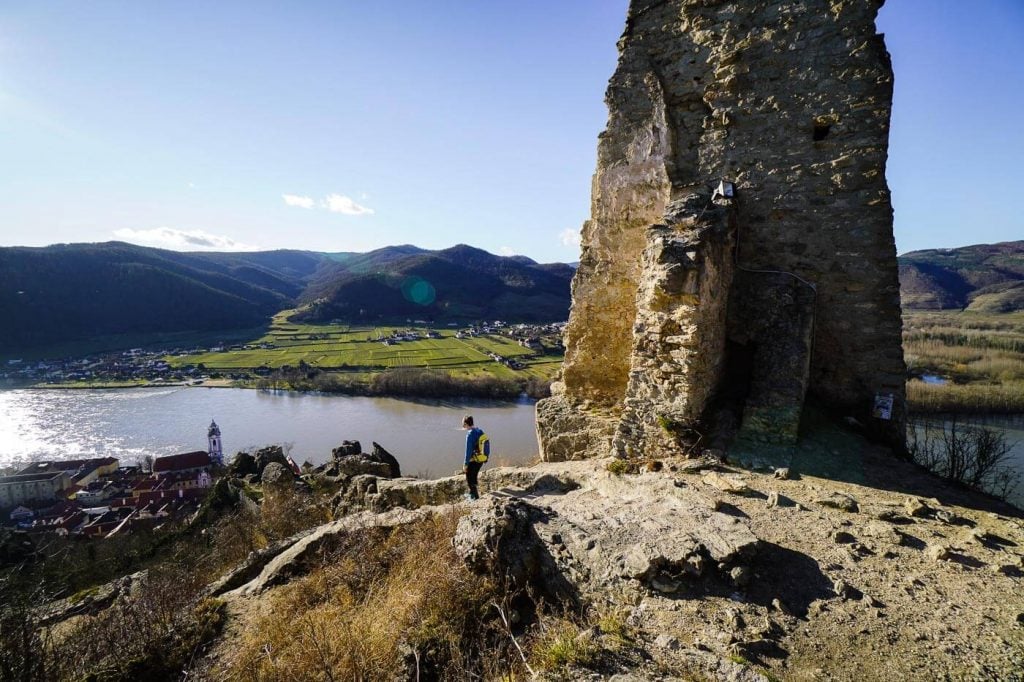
(790, 286)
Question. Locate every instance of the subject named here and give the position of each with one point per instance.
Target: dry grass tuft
(386, 607)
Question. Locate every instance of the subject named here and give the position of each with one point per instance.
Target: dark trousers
(472, 469)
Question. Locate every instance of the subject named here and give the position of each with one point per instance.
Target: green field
(978, 356)
(358, 349)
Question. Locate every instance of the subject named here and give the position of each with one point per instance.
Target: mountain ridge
(985, 278)
(72, 292)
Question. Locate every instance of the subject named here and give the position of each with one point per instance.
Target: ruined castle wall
(679, 337)
(791, 101)
(630, 191)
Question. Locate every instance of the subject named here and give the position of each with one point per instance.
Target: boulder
(356, 465)
(348, 460)
(498, 539)
(277, 475)
(269, 454)
(839, 501)
(937, 552)
(382, 455)
(242, 465)
(347, 448)
(916, 507)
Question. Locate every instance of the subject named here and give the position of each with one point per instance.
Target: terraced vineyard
(344, 348)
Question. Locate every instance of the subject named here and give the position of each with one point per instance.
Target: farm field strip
(351, 349)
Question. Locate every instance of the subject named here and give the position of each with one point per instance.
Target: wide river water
(425, 436)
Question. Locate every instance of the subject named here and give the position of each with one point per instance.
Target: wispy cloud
(298, 200)
(339, 203)
(506, 251)
(569, 237)
(182, 240)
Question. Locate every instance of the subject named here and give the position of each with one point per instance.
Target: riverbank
(974, 362)
(406, 382)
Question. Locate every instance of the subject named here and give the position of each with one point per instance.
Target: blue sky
(349, 125)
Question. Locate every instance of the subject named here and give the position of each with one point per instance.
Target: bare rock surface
(721, 586)
(610, 530)
(303, 549)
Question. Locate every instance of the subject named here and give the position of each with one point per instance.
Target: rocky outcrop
(253, 464)
(795, 291)
(348, 460)
(277, 475)
(653, 539)
(367, 492)
(92, 600)
(716, 573)
(311, 547)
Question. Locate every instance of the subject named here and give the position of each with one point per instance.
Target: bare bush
(23, 644)
(153, 633)
(968, 454)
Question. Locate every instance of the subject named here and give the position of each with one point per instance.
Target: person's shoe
(468, 497)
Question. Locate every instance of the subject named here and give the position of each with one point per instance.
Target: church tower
(216, 452)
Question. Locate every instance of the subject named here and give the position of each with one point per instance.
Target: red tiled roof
(69, 464)
(188, 460)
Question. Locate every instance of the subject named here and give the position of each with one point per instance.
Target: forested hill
(460, 283)
(71, 292)
(981, 278)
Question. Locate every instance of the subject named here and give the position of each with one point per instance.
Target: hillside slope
(70, 292)
(459, 283)
(981, 278)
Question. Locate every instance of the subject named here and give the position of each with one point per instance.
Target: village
(138, 366)
(134, 365)
(99, 497)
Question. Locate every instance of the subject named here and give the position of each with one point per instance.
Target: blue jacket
(472, 438)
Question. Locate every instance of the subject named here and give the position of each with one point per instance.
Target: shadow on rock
(499, 540)
(790, 577)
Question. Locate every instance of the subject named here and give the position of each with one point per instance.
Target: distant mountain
(460, 283)
(69, 292)
(72, 292)
(981, 278)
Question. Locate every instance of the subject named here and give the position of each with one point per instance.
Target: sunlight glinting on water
(425, 436)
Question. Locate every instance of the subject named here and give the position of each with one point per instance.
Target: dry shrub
(282, 514)
(285, 512)
(388, 606)
(154, 633)
(23, 643)
(968, 454)
(965, 398)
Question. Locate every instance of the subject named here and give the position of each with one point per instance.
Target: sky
(347, 125)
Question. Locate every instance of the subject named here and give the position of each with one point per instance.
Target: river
(425, 436)
(1010, 426)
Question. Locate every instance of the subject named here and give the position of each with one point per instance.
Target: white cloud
(338, 203)
(297, 200)
(182, 240)
(506, 251)
(569, 237)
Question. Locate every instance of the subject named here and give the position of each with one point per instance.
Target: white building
(216, 450)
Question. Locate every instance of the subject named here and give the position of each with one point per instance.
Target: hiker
(477, 449)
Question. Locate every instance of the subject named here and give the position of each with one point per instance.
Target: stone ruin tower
(739, 260)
